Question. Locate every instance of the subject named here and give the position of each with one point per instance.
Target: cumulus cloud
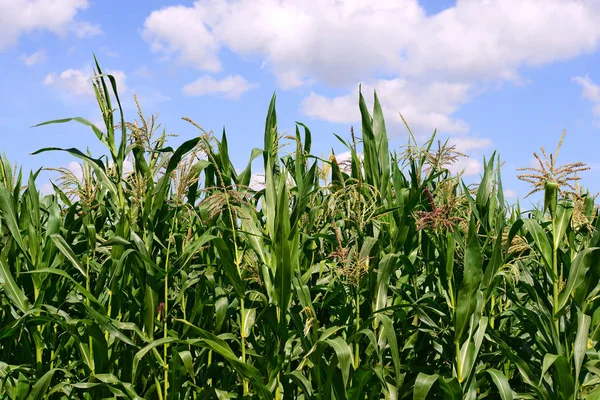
(591, 92)
(77, 82)
(39, 57)
(151, 97)
(466, 144)
(72, 84)
(468, 166)
(230, 87)
(424, 106)
(85, 29)
(257, 182)
(18, 17)
(181, 30)
(336, 43)
(323, 38)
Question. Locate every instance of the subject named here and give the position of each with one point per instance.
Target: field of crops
(380, 277)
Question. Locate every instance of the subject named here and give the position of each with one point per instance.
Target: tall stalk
(166, 305)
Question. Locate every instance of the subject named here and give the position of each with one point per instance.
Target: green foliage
(383, 276)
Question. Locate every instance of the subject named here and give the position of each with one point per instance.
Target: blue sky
(504, 75)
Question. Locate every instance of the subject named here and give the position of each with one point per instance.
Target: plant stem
(555, 288)
(458, 363)
(209, 363)
(243, 340)
(356, 345)
(158, 388)
(39, 351)
(87, 286)
(166, 307)
(451, 293)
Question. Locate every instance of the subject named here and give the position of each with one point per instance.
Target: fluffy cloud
(590, 91)
(424, 106)
(230, 87)
(180, 29)
(338, 42)
(466, 144)
(77, 82)
(39, 57)
(85, 29)
(468, 166)
(341, 41)
(18, 17)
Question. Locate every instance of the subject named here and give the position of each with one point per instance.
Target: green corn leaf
(66, 250)
(542, 243)
(423, 385)
(344, 356)
(9, 215)
(578, 274)
(467, 295)
(386, 266)
(9, 286)
(562, 220)
(388, 334)
(229, 266)
(96, 164)
(581, 342)
(99, 134)
(485, 186)
(451, 388)
(501, 383)
(381, 138)
(249, 321)
(302, 382)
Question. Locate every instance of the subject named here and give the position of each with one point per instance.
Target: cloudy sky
(506, 75)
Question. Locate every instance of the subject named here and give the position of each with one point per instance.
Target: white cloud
(39, 57)
(425, 107)
(85, 29)
(344, 160)
(74, 81)
(76, 169)
(46, 189)
(73, 84)
(469, 166)
(179, 29)
(151, 97)
(77, 82)
(257, 182)
(231, 87)
(492, 39)
(510, 194)
(590, 91)
(18, 17)
(339, 42)
(465, 144)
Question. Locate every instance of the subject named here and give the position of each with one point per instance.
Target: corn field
(380, 277)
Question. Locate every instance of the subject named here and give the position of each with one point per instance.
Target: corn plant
(383, 276)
